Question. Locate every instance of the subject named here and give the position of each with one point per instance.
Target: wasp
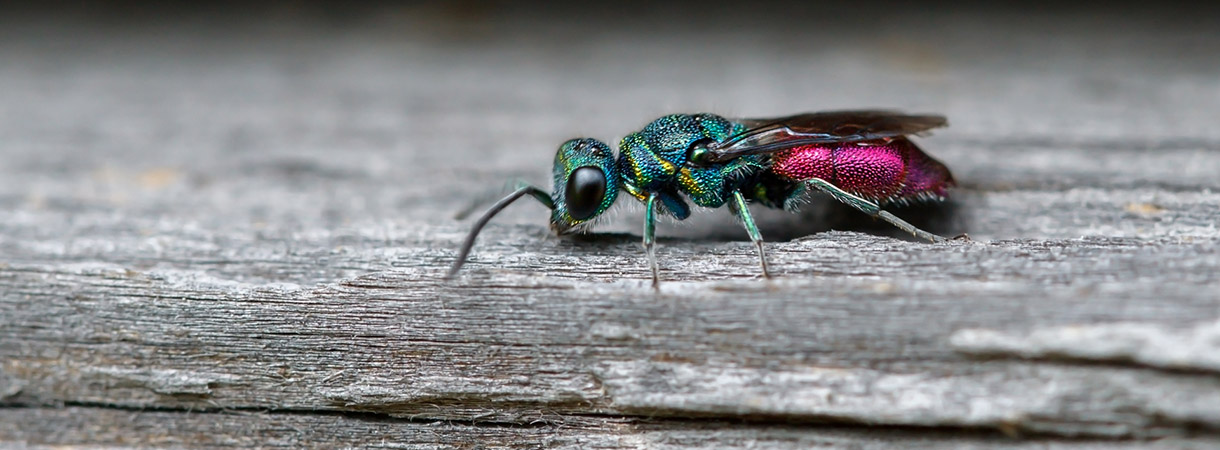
(863, 158)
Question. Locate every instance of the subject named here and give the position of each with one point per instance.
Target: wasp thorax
(586, 183)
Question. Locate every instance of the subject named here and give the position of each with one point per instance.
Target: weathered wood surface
(257, 429)
(236, 239)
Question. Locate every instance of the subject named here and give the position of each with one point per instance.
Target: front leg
(650, 228)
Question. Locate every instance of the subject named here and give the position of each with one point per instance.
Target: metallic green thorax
(573, 155)
(655, 160)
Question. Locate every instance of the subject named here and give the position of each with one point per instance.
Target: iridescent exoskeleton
(862, 158)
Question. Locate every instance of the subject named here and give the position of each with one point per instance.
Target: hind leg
(871, 209)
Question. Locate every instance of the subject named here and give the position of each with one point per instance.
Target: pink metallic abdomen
(883, 172)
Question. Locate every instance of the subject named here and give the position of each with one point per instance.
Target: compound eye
(585, 191)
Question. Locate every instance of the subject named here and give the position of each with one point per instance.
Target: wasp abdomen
(893, 171)
(926, 178)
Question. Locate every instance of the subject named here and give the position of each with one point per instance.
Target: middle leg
(743, 212)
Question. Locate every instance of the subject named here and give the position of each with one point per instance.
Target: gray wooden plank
(508, 345)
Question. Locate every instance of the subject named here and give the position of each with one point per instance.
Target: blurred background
(295, 114)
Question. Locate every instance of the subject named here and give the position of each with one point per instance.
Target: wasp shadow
(820, 215)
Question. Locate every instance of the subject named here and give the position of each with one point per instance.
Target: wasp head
(586, 184)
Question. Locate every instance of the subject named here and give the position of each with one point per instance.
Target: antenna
(542, 197)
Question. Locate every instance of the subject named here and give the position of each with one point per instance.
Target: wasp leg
(650, 228)
(743, 212)
(872, 209)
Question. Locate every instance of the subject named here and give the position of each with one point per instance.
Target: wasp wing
(826, 127)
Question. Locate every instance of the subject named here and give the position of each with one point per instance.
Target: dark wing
(827, 127)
